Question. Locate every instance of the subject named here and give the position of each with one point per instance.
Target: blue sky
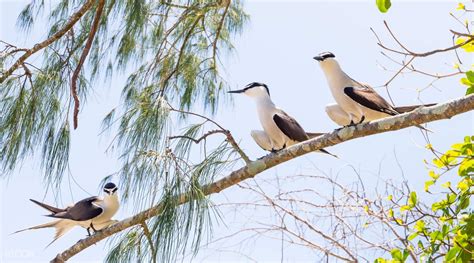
(276, 48)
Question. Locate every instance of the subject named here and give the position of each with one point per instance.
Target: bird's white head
(110, 189)
(254, 90)
(327, 60)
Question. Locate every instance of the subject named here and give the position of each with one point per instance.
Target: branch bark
(72, 21)
(85, 52)
(416, 117)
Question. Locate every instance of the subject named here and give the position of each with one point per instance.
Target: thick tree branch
(416, 117)
(72, 21)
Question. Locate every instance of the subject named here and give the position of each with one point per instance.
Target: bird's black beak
(236, 91)
(319, 58)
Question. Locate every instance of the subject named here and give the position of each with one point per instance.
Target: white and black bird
(339, 116)
(356, 102)
(279, 129)
(91, 213)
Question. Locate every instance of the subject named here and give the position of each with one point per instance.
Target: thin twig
(196, 141)
(228, 134)
(72, 21)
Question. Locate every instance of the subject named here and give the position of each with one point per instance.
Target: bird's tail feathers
(51, 209)
(423, 128)
(45, 225)
(62, 228)
(403, 109)
(326, 152)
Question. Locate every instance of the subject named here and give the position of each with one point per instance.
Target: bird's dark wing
(404, 109)
(290, 127)
(51, 209)
(368, 97)
(82, 210)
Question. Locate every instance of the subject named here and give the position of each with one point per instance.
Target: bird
(90, 213)
(339, 116)
(356, 102)
(262, 139)
(280, 130)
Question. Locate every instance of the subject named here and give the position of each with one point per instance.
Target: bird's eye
(114, 190)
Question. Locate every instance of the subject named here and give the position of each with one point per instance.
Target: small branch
(395, 38)
(147, 233)
(408, 52)
(180, 55)
(196, 141)
(234, 144)
(461, 34)
(229, 136)
(85, 52)
(72, 21)
(398, 72)
(416, 117)
(219, 29)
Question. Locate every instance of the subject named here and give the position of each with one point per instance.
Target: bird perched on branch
(91, 213)
(280, 130)
(356, 102)
(339, 116)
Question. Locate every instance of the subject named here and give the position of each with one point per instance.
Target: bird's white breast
(266, 110)
(110, 205)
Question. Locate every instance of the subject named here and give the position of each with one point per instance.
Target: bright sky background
(276, 48)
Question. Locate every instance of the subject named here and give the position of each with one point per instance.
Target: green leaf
(405, 208)
(412, 236)
(470, 76)
(397, 254)
(469, 47)
(420, 225)
(405, 255)
(433, 175)
(390, 212)
(428, 184)
(412, 200)
(446, 185)
(436, 235)
(383, 5)
(451, 255)
(466, 82)
(445, 230)
(463, 185)
(464, 203)
(470, 90)
(438, 163)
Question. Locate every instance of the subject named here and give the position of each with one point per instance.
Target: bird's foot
(88, 231)
(275, 151)
(272, 152)
(361, 119)
(352, 124)
(92, 226)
